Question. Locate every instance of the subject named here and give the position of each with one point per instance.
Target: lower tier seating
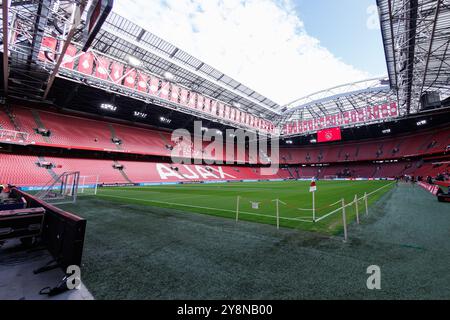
(26, 170)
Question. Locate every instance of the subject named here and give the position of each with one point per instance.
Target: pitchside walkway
(138, 252)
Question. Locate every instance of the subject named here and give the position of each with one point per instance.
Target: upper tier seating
(81, 133)
(389, 148)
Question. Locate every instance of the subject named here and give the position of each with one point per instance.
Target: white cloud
(261, 43)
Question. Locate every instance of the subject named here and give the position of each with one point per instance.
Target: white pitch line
(206, 208)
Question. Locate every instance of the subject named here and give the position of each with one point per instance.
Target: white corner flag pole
(237, 209)
(313, 188)
(344, 221)
(314, 205)
(96, 185)
(278, 214)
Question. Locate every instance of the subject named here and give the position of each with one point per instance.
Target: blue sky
(284, 49)
(341, 26)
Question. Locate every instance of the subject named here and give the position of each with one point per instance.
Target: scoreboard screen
(327, 135)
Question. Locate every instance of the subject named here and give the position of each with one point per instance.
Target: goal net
(88, 185)
(61, 189)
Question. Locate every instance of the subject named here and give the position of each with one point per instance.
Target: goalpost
(61, 189)
(88, 185)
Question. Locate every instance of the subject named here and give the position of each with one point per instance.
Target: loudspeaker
(430, 100)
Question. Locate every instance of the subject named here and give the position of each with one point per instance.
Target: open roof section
(120, 38)
(416, 36)
(338, 99)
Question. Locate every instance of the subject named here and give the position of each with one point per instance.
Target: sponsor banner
(116, 72)
(102, 68)
(154, 86)
(118, 184)
(164, 92)
(130, 79)
(142, 82)
(48, 45)
(174, 93)
(148, 184)
(32, 188)
(156, 183)
(69, 57)
(86, 63)
(191, 182)
(216, 181)
(183, 96)
(366, 114)
(433, 189)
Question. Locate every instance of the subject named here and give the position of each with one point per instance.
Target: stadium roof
(416, 36)
(121, 38)
(339, 99)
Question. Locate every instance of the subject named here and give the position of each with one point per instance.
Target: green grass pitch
(221, 200)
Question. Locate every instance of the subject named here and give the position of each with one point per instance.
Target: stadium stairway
(39, 124)
(122, 171)
(114, 136)
(290, 173)
(50, 171)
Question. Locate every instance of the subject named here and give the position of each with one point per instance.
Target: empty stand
(75, 132)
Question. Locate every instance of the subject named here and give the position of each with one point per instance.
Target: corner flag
(312, 186)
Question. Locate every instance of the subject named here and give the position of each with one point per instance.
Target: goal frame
(83, 185)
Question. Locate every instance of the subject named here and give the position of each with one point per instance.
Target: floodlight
(140, 114)
(165, 120)
(421, 122)
(168, 76)
(108, 106)
(135, 62)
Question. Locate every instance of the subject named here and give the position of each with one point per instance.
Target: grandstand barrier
(62, 234)
(433, 189)
(357, 202)
(366, 195)
(13, 136)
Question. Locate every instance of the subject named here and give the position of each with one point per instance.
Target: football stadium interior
(344, 178)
